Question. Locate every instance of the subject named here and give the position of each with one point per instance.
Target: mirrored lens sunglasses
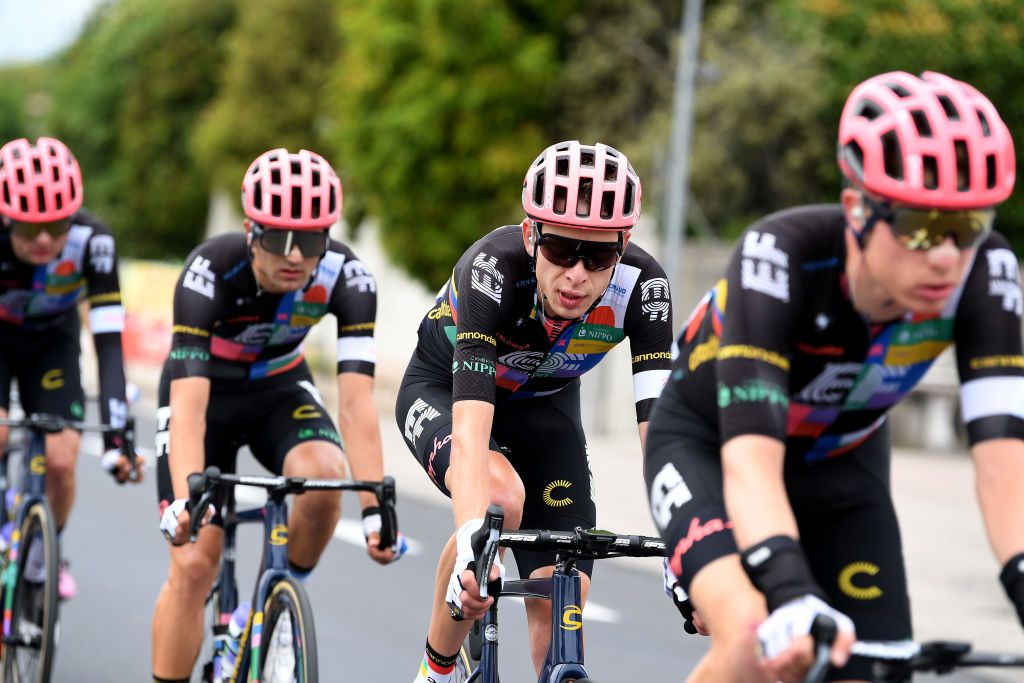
(281, 242)
(565, 252)
(922, 229)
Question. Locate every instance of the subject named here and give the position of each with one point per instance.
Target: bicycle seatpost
(485, 544)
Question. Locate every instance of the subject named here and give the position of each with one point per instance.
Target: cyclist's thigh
(286, 412)
(224, 434)
(47, 366)
(424, 413)
(684, 484)
(546, 445)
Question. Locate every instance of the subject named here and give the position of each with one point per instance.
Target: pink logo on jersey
(696, 533)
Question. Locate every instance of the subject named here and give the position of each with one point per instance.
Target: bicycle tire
(288, 597)
(34, 605)
(463, 666)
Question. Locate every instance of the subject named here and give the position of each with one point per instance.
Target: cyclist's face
(280, 274)
(42, 247)
(569, 292)
(901, 279)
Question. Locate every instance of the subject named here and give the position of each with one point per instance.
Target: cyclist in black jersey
(52, 255)
(236, 375)
(768, 452)
(490, 400)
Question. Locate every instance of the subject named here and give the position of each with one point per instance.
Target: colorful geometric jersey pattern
(225, 328)
(485, 334)
(37, 298)
(776, 348)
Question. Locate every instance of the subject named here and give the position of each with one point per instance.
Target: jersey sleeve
(649, 328)
(752, 360)
(196, 303)
(477, 298)
(106, 322)
(354, 304)
(987, 332)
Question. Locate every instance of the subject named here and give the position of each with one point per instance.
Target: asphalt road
(370, 621)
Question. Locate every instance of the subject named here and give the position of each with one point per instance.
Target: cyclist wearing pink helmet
(236, 375)
(768, 457)
(52, 255)
(490, 402)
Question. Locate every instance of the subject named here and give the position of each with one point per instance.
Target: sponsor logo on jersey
(703, 352)
(189, 353)
(199, 278)
(186, 329)
(443, 310)
(475, 336)
(668, 493)
(764, 267)
(601, 333)
(696, 533)
(753, 353)
(989, 362)
(1004, 280)
(101, 253)
(752, 391)
(657, 302)
(474, 364)
(486, 278)
(508, 342)
(850, 588)
(549, 491)
(357, 276)
(419, 414)
(658, 355)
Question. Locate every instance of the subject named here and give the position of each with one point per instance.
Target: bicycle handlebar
(584, 544)
(202, 486)
(54, 424)
(895, 662)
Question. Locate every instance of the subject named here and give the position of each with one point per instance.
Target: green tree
(127, 96)
(280, 53)
(439, 107)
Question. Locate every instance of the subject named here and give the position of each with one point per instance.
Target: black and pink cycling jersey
(487, 339)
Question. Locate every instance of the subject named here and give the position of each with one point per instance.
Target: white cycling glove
(169, 518)
(463, 557)
(372, 523)
(109, 459)
(793, 619)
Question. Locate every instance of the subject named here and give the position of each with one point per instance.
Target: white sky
(34, 29)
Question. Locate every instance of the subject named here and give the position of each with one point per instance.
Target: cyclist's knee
(193, 569)
(315, 460)
(507, 490)
(61, 454)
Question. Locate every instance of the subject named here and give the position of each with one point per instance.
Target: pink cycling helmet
(928, 141)
(297, 191)
(582, 186)
(39, 183)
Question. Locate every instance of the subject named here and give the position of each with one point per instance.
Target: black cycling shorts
(844, 513)
(46, 364)
(271, 416)
(543, 439)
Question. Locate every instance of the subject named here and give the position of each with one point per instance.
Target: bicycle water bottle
(236, 625)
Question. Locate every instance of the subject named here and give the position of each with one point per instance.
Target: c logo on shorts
(856, 592)
(306, 411)
(572, 618)
(52, 379)
(557, 502)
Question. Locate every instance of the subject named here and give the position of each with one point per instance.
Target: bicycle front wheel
(28, 650)
(463, 666)
(288, 654)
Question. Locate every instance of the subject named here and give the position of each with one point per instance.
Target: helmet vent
(931, 172)
(561, 199)
(892, 157)
(60, 201)
(985, 129)
(332, 201)
(275, 205)
(949, 108)
(627, 201)
(23, 202)
(990, 170)
(963, 166)
(899, 90)
(257, 195)
(7, 193)
(587, 159)
(316, 207)
(868, 110)
(41, 198)
(296, 202)
(607, 204)
(316, 178)
(583, 197)
(611, 171)
(37, 165)
(924, 129)
(538, 190)
(74, 191)
(275, 176)
(296, 168)
(21, 176)
(562, 167)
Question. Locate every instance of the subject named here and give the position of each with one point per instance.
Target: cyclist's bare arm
(755, 494)
(642, 428)
(360, 429)
(190, 397)
(468, 476)
(999, 464)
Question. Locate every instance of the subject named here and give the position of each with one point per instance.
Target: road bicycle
(278, 642)
(31, 563)
(896, 662)
(478, 659)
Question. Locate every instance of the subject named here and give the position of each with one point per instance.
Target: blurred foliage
(129, 93)
(440, 106)
(280, 53)
(432, 110)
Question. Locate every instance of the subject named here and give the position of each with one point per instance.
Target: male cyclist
(768, 452)
(52, 255)
(236, 375)
(490, 402)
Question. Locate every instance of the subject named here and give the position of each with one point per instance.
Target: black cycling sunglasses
(565, 252)
(280, 242)
(922, 229)
(30, 231)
